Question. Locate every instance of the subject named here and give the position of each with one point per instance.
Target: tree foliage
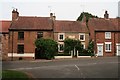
(87, 15)
(91, 48)
(49, 46)
(71, 44)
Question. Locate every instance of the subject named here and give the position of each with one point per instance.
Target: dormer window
(61, 36)
(107, 35)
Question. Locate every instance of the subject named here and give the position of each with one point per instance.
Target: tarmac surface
(100, 67)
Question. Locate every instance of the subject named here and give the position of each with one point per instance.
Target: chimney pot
(106, 15)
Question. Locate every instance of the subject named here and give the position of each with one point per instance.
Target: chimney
(15, 14)
(53, 17)
(106, 15)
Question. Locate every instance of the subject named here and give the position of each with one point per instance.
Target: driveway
(100, 67)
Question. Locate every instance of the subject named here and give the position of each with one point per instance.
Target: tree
(91, 48)
(87, 15)
(48, 46)
(71, 45)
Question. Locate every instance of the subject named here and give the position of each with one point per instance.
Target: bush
(48, 46)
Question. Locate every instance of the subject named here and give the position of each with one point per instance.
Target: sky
(63, 9)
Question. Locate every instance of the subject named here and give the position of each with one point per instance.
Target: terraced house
(21, 33)
(105, 32)
(24, 30)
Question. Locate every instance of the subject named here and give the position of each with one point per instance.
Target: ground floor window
(108, 46)
(20, 49)
(60, 47)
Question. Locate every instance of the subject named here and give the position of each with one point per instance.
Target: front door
(118, 49)
(99, 50)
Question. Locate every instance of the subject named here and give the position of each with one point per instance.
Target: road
(101, 67)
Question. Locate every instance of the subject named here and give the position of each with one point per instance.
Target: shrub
(48, 46)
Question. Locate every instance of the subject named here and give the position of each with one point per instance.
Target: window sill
(60, 40)
(107, 38)
(108, 51)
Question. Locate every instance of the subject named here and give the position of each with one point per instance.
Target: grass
(14, 75)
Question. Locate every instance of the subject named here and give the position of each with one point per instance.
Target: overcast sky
(63, 9)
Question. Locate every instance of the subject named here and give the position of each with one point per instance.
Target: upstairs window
(20, 49)
(39, 34)
(61, 36)
(20, 35)
(107, 35)
(82, 37)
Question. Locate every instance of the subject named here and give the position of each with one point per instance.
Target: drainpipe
(12, 47)
(95, 43)
(114, 45)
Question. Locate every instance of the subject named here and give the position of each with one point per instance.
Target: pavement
(100, 67)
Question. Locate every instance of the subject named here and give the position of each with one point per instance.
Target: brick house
(4, 35)
(70, 29)
(23, 33)
(24, 30)
(105, 32)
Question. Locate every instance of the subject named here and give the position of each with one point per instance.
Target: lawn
(14, 75)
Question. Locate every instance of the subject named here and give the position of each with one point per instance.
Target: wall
(4, 47)
(29, 46)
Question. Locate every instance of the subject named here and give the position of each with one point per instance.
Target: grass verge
(14, 75)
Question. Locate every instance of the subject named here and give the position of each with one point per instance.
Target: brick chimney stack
(53, 17)
(15, 14)
(106, 15)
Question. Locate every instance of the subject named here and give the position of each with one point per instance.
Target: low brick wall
(62, 57)
(83, 56)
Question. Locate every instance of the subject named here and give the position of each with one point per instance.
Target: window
(20, 49)
(107, 35)
(60, 47)
(82, 37)
(61, 36)
(39, 34)
(20, 35)
(83, 46)
(108, 46)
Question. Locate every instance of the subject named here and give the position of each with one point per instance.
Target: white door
(118, 49)
(99, 50)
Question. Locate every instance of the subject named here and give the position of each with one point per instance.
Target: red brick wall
(100, 38)
(4, 42)
(29, 39)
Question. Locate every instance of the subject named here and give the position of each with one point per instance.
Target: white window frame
(83, 35)
(59, 36)
(107, 35)
(109, 43)
(83, 45)
(59, 48)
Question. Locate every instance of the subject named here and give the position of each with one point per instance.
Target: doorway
(99, 49)
(118, 49)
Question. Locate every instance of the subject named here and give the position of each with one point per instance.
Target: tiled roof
(101, 24)
(32, 23)
(4, 25)
(69, 26)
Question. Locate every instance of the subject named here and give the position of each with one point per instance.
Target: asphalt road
(101, 67)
